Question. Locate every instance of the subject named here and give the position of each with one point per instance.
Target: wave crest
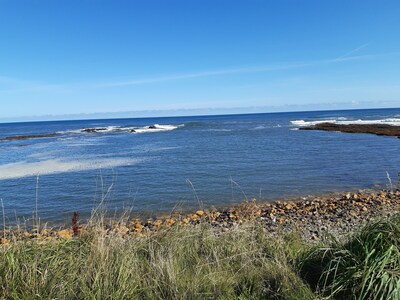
(129, 129)
(340, 121)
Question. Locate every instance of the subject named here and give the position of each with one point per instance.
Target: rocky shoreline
(378, 129)
(311, 218)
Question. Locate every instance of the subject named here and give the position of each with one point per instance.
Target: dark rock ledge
(378, 129)
(26, 137)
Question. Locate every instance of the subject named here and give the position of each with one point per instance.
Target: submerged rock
(93, 130)
(26, 137)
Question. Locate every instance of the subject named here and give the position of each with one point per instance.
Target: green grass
(204, 263)
(367, 266)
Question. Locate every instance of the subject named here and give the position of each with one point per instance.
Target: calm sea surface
(183, 161)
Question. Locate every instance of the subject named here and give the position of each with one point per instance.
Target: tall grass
(179, 263)
(365, 267)
(204, 263)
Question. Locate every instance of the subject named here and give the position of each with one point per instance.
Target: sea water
(158, 165)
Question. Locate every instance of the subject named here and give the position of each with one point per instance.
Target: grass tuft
(367, 266)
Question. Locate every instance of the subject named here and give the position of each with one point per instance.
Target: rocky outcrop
(378, 129)
(93, 130)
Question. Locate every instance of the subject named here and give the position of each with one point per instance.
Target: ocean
(159, 165)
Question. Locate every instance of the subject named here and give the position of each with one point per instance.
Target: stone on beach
(200, 213)
(311, 217)
(4, 241)
(65, 234)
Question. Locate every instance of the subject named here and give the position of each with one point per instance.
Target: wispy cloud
(249, 70)
(352, 51)
(228, 71)
(11, 84)
(8, 84)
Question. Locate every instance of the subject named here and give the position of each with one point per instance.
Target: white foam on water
(96, 129)
(66, 139)
(340, 121)
(130, 129)
(260, 127)
(41, 155)
(303, 123)
(390, 121)
(219, 130)
(76, 131)
(154, 128)
(158, 149)
(56, 166)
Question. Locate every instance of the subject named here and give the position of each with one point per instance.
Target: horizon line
(181, 116)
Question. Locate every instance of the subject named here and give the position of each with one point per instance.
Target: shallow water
(215, 160)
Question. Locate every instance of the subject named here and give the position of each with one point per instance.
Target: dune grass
(367, 266)
(204, 263)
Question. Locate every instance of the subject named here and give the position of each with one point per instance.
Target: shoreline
(311, 217)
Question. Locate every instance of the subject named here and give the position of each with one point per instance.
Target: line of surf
(107, 129)
(129, 129)
(388, 121)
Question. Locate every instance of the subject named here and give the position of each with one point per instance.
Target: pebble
(200, 213)
(65, 234)
(310, 215)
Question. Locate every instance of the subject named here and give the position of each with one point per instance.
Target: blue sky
(73, 57)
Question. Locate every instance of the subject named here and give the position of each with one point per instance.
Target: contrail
(353, 51)
(37, 86)
(258, 69)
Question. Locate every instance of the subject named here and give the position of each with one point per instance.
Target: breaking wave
(129, 129)
(343, 121)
